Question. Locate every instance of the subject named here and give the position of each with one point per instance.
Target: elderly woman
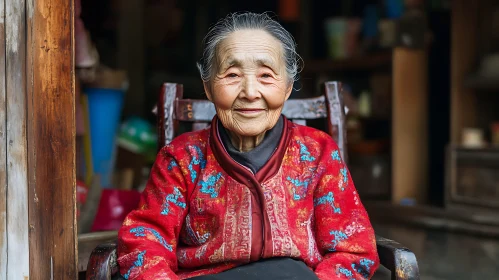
(254, 196)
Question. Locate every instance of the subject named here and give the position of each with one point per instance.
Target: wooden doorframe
(37, 128)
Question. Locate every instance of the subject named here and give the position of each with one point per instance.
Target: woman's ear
(207, 90)
(289, 90)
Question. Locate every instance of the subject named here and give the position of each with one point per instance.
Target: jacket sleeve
(343, 232)
(147, 241)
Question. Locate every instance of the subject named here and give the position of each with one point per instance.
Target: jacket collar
(241, 173)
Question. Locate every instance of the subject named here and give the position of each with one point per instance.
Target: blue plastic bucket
(104, 106)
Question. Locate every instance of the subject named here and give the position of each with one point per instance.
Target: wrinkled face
(250, 85)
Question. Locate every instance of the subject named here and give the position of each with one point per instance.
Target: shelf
(482, 83)
(371, 118)
(487, 148)
(359, 63)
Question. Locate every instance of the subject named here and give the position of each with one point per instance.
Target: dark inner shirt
(256, 158)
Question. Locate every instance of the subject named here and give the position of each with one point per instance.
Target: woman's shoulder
(310, 143)
(307, 134)
(186, 141)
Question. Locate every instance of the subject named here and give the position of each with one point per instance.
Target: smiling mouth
(249, 111)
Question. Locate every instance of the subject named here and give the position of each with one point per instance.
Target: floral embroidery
(304, 153)
(335, 155)
(327, 199)
(171, 165)
(346, 272)
(138, 263)
(141, 232)
(344, 174)
(299, 188)
(197, 159)
(354, 228)
(364, 267)
(208, 186)
(182, 257)
(217, 255)
(175, 199)
(203, 238)
(355, 198)
(195, 237)
(200, 252)
(338, 237)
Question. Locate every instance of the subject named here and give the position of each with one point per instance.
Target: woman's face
(250, 85)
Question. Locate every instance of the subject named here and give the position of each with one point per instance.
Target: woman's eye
(266, 75)
(232, 75)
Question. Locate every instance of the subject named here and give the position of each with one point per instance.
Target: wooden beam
(17, 183)
(464, 27)
(3, 150)
(51, 140)
(410, 125)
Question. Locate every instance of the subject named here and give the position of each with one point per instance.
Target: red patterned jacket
(203, 213)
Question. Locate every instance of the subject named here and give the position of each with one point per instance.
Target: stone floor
(443, 255)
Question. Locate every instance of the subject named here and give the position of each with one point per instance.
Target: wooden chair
(172, 110)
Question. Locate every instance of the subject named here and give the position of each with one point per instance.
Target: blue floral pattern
(176, 198)
(327, 199)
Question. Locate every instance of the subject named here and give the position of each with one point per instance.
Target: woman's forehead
(253, 59)
(250, 46)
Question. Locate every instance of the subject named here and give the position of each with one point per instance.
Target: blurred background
(421, 82)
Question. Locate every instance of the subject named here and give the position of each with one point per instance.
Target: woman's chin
(250, 132)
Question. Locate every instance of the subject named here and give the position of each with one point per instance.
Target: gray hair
(234, 22)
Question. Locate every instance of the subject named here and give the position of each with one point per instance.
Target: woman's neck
(245, 143)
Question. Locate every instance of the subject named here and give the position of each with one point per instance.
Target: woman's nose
(250, 88)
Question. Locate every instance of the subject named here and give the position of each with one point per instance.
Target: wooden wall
(37, 140)
(3, 151)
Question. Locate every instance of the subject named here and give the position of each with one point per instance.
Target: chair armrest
(87, 242)
(398, 259)
(103, 264)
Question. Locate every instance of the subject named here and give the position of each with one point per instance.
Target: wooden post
(37, 140)
(410, 125)
(17, 173)
(51, 140)
(3, 150)
(410, 110)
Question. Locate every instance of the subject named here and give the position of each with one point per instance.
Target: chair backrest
(172, 109)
